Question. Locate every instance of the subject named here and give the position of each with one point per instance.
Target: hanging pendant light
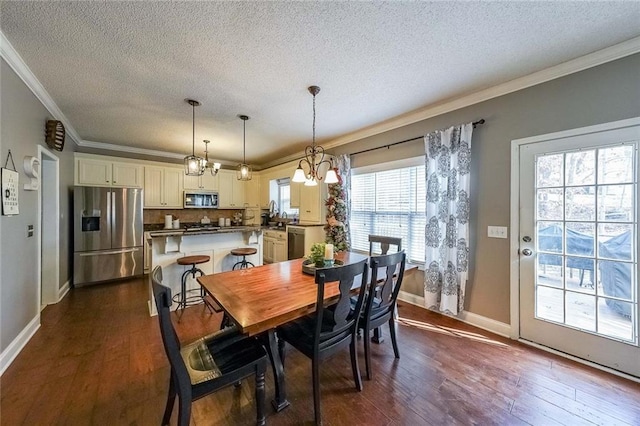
(314, 157)
(192, 163)
(244, 170)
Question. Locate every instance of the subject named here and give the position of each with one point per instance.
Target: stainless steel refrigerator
(108, 234)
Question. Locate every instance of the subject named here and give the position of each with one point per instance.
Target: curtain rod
(389, 145)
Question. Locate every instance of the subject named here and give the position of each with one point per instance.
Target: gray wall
(23, 120)
(602, 94)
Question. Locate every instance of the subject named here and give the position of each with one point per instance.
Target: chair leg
(315, 367)
(184, 411)
(367, 353)
(260, 417)
(353, 348)
(171, 400)
(392, 332)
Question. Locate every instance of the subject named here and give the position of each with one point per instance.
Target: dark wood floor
(98, 359)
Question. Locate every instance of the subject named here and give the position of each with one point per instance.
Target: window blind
(391, 203)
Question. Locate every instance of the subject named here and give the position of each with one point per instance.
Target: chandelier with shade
(314, 157)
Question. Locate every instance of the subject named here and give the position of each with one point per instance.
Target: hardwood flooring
(98, 359)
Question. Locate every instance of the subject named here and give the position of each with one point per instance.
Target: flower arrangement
(336, 227)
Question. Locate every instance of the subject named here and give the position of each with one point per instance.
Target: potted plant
(317, 254)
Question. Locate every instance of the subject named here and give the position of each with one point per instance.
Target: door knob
(527, 252)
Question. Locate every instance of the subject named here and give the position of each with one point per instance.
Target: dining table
(260, 299)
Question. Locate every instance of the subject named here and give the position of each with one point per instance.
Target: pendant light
(192, 163)
(244, 170)
(314, 157)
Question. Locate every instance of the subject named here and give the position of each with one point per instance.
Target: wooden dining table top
(264, 297)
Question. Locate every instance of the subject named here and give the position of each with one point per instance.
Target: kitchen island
(167, 246)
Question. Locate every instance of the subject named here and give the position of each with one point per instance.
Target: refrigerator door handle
(103, 252)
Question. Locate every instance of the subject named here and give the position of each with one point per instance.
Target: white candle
(328, 251)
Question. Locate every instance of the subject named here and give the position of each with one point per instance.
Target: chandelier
(244, 170)
(205, 164)
(314, 157)
(193, 163)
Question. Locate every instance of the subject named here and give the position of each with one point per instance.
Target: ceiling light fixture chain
(312, 153)
(244, 170)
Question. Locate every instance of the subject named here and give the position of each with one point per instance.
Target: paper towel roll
(168, 221)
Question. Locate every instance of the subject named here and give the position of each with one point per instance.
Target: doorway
(49, 224)
(576, 240)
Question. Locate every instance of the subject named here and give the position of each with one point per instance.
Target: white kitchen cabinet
(252, 192)
(265, 191)
(295, 194)
(231, 191)
(275, 246)
(163, 187)
(312, 208)
(205, 182)
(98, 172)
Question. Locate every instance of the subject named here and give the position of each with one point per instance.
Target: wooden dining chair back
(387, 273)
(331, 328)
(208, 364)
(385, 243)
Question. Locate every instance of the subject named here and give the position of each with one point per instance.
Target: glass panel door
(578, 244)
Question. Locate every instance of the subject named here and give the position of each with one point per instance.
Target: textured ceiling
(120, 71)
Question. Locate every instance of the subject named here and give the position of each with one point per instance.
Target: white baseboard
(476, 320)
(14, 348)
(64, 290)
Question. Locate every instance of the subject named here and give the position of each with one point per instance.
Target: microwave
(200, 200)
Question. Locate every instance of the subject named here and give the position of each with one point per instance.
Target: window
(389, 202)
(284, 197)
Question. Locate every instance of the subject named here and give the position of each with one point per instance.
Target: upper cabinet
(98, 172)
(312, 208)
(231, 193)
(205, 182)
(252, 192)
(295, 194)
(163, 187)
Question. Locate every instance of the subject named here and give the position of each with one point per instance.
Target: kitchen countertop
(223, 230)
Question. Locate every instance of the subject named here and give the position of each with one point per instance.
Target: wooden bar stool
(183, 299)
(244, 252)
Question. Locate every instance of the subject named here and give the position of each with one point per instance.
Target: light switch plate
(497, 231)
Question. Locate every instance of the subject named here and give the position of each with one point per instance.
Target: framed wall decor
(10, 205)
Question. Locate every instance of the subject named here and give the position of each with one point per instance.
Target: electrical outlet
(497, 231)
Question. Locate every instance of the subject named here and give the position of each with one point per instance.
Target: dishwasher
(295, 243)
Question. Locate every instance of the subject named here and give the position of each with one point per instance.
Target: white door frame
(50, 294)
(514, 244)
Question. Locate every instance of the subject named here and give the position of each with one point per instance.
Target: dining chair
(329, 329)
(381, 302)
(385, 242)
(208, 364)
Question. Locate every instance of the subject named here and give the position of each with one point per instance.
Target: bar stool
(183, 299)
(244, 252)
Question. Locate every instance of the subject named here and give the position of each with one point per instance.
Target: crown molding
(15, 61)
(129, 149)
(590, 60)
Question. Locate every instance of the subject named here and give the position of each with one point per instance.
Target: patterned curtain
(339, 206)
(448, 162)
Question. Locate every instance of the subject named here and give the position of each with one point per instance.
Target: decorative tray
(309, 267)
